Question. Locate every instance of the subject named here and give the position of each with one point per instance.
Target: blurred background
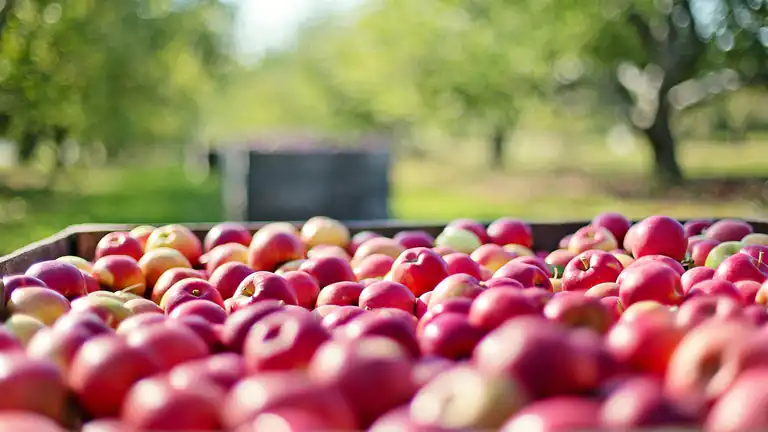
(156, 111)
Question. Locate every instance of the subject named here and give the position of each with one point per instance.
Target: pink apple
(373, 266)
(188, 290)
(340, 294)
(304, 286)
(283, 341)
(674, 265)
(59, 276)
(261, 286)
(329, 269)
(728, 230)
(228, 277)
(450, 335)
(420, 269)
(502, 282)
(715, 287)
(504, 231)
(471, 225)
(748, 290)
(589, 237)
(492, 256)
(119, 243)
(206, 309)
(399, 328)
(458, 285)
(659, 235)
(496, 305)
(461, 263)
(528, 275)
(226, 232)
(359, 239)
(616, 223)
(694, 276)
(700, 251)
(590, 268)
(386, 294)
(236, 327)
(651, 281)
(414, 238)
(696, 227)
(741, 266)
(169, 278)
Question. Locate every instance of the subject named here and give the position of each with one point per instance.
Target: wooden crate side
(57, 245)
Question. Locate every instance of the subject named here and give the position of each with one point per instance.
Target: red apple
(471, 225)
(574, 309)
(58, 346)
(283, 341)
(728, 230)
(10, 283)
(696, 227)
(261, 286)
(651, 281)
(385, 294)
(378, 246)
(528, 275)
(461, 263)
(228, 277)
(614, 306)
(496, 305)
(290, 266)
(660, 235)
(156, 262)
(328, 250)
(605, 289)
(715, 287)
(340, 294)
(81, 263)
(236, 326)
(21, 421)
(169, 278)
(119, 273)
(674, 265)
(119, 243)
(741, 266)
(694, 276)
(226, 232)
(449, 335)
(504, 231)
(341, 316)
(176, 237)
(59, 276)
(748, 290)
(327, 270)
(562, 413)
(103, 371)
(422, 304)
(31, 385)
(590, 268)
(153, 404)
(428, 368)
(220, 255)
(395, 327)
(589, 238)
(536, 261)
(414, 238)
(640, 402)
(744, 406)
(288, 420)
(304, 286)
(132, 323)
(142, 305)
(644, 344)
(44, 304)
(9, 342)
(206, 309)
(142, 233)
(91, 284)
(420, 269)
(170, 343)
(458, 285)
(492, 256)
(700, 251)
(348, 366)
(268, 251)
(373, 266)
(187, 290)
(695, 311)
(359, 239)
(558, 259)
(502, 282)
(616, 223)
(223, 370)
(324, 230)
(460, 305)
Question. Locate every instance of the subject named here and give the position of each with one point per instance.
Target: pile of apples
(651, 325)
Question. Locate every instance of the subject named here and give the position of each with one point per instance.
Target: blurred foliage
(115, 73)
(473, 67)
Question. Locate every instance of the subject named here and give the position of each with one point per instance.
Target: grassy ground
(545, 180)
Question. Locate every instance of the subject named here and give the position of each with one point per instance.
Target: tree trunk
(498, 147)
(665, 166)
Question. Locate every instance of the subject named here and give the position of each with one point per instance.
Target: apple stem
(585, 262)
(760, 258)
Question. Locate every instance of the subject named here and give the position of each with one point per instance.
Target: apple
(103, 371)
(614, 307)
(605, 289)
(563, 243)
(461, 240)
(329, 269)
(464, 398)
(236, 327)
(230, 252)
(157, 261)
(427, 368)
(141, 233)
(492, 256)
(280, 390)
(31, 385)
(659, 235)
(726, 230)
(23, 327)
(409, 239)
(640, 402)
(747, 397)
(44, 304)
(719, 253)
(328, 250)
(81, 263)
(358, 239)
(461, 263)
(539, 296)
(154, 404)
(226, 232)
(59, 276)
(222, 370)
(340, 316)
(562, 413)
(304, 286)
(574, 309)
(536, 261)
(674, 265)
(755, 239)
(715, 287)
(528, 275)
(290, 266)
(110, 309)
(758, 252)
(279, 226)
(616, 223)
(119, 243)
(91, 284)
(422, 304)
(340, 294)
(176, 237)
(420, 269)
(8, 341)
(261, 286)
(348, 366)
(748, 290)
(518, 250)
(206, 309)
(460, 305)
(699, 309)
(458, 285)
(386, 294)
(268, 251)
(471, 225)
(443, 250)
(449, 335)
(10, 283)
(646, 308)
(504, 231)
(741, 266)
(700, 250)
(558, 259)
(502, 282)
(324, 230)
(588, 238)
(188, 290)
(18, 421)
(590, 268)
(496, 305)
(132, 323)
(694, 276)
(399, 328)
(283, 341)
(290, 419)
(74, 321)
(651, 281)
(373, 266)
(542, 359)
(696, 227)
(170, 343)
(226, 278)
(646, 343)
(624, 259)
(119, 273)
(58, 345)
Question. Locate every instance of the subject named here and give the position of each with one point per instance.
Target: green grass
(539, 184)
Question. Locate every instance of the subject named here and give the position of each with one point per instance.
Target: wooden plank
(59, 244)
